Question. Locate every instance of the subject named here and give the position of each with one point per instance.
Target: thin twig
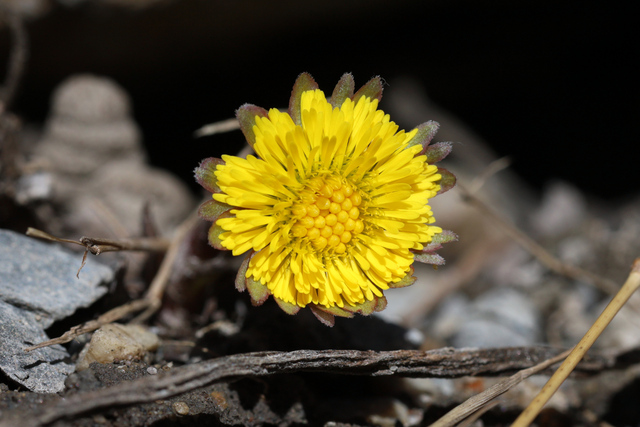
(34, 232)
(534, 408)
(98, 245)
(217, 127)
(494, 167)
(152, 299)
(441, 363)
(535, 249)
(159, 283)
(90, 326)
(475, 403)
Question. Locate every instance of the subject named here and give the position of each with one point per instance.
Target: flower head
(334, 209)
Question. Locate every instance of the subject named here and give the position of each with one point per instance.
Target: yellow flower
(334, 210)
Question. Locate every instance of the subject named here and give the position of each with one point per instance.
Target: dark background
(549, 83)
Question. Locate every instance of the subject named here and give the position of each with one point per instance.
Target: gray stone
(38, 286)
(563, 209)
(43, 370)
(502, 317)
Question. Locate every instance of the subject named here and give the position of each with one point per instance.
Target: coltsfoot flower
(334, 210)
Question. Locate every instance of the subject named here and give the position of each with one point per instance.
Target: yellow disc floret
(328, 215)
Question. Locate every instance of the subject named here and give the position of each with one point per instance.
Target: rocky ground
(205, 355)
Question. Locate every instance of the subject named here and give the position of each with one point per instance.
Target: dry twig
(480, 400)
(535, 249)
(152, 299)
(98, 245)
(217, 127)
(441, 363)
(629, 287)
(108, 317)
(159, 284)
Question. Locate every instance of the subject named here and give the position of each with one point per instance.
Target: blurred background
(551, 84)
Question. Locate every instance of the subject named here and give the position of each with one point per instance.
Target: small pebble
(219, 399)
(100, 419)
(117, 343)
(414, 336)
(180, 408)
(152, 370)
(501, 317)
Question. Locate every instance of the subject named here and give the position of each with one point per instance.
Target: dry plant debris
(90, 124)
(441, 363)
(38, 287)
(630, 286)
(153, 297)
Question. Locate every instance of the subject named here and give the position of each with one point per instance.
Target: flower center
(328, 214)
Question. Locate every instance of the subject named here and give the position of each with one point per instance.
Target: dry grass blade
(630, 286)
(480, 400)
(476, 415)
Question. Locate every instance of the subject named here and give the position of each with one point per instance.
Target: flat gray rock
(38, 286)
